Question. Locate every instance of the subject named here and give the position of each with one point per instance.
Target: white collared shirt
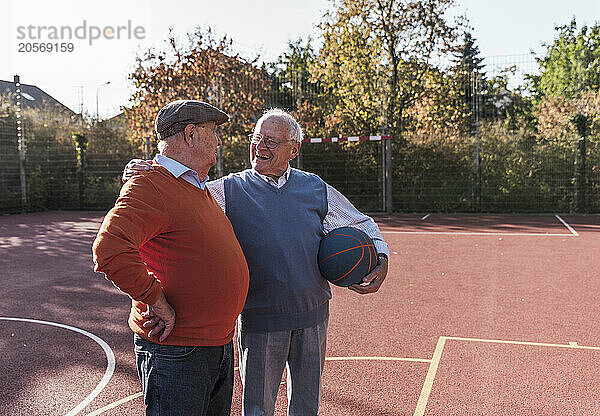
(180, 170)
(340, 211)
(280, 181)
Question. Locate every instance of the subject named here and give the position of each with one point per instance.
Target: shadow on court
(46, 273)
(506, 288)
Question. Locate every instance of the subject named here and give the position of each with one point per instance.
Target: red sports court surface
(479, 315)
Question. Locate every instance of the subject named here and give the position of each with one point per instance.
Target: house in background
(33, 97)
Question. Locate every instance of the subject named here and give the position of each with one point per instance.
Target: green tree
(468, 74)
(376, 58)
(294, 64)
(571, 64)
(566, 106)
(568, 86)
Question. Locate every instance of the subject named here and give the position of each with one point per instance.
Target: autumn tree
(205, 68)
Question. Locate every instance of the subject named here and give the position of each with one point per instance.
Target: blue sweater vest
(279, 231)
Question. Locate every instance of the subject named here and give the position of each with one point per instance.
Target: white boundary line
(572, 345)
(437, 355)
(424, 397)
(107, 350)
(480, 233)
(136, 395)
(414, 360)
(575, 233)
(115, 404)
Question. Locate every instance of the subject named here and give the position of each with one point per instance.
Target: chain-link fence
(356, 169)
(10, 183)
(503, 163)
(57, 171)
(506, 163)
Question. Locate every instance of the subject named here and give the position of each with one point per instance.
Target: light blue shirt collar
(180, 170)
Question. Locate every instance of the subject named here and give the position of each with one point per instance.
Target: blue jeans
(264, 355)
(181, 380)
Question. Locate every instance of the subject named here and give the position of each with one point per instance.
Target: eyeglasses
(270, 143)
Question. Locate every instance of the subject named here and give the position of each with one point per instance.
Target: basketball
(346, 255)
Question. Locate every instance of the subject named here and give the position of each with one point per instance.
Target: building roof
(33, 97)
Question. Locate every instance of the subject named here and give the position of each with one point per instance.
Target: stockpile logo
(34, 38)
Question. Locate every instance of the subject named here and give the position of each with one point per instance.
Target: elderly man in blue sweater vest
(279, 215)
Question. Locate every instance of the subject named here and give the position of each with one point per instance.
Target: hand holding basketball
(373, 280)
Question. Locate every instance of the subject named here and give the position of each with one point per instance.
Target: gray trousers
(264, 355)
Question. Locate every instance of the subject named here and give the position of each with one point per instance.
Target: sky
(108, 34)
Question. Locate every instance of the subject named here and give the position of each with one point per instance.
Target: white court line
(107, 350)
(424, 397)
(437, 354)
(115, 404)
(136, 395)
(536, 344)
(480, 233)
(575, 233)
(414, 360)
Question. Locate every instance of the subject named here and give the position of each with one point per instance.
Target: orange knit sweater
(165, 233)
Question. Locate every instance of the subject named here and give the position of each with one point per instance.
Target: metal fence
(10, 183)
(489, 169)
(497, 167)
(356, 169)
(55, 174)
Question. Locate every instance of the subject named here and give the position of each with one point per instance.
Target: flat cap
(187, 111)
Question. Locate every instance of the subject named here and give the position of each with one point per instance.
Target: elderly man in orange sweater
(169, 246)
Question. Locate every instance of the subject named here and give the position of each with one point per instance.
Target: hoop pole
(387, 160)
(388, 176)
(21, 143)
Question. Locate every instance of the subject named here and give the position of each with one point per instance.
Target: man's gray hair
(162, 145)
(294, 129)
(165, 141)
